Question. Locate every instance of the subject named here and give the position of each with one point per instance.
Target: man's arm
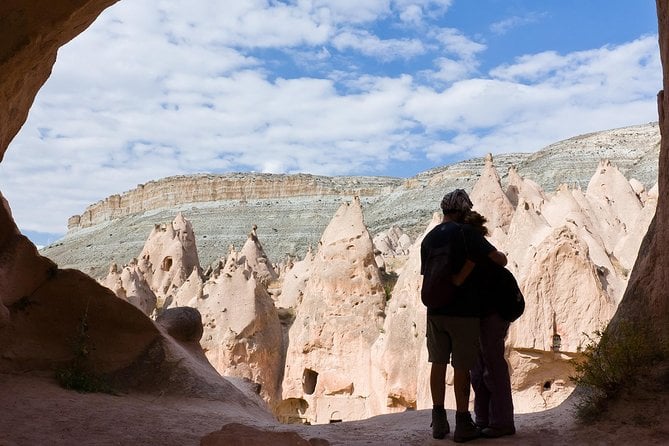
(498, 257)
(460, 277)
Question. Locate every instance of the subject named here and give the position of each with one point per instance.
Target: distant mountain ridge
(291, 211)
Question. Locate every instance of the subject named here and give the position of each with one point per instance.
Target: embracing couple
(463, 327)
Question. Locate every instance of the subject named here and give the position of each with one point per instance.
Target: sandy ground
(35, 411)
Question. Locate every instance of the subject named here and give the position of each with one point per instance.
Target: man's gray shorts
(455, 338)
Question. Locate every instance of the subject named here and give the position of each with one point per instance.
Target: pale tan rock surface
(489, 198)
(329, 373)
(169, 257)
(253, 254)
(400, 352)
(295, 279)
(242, 333)
(129, 284)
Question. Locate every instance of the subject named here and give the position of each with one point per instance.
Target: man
(453, 329)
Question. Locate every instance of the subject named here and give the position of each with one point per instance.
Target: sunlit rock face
(332, 342)
(329, 373)
(128, 283)
(242, 333)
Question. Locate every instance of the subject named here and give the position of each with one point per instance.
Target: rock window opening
(309, 379)
(557, 342)
(167, 264)
(335, 417)
(547, 385)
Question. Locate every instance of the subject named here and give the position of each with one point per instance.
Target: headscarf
(456, 201)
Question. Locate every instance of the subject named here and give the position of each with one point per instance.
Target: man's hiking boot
(439, 424)
(465, 429)
(496, 432)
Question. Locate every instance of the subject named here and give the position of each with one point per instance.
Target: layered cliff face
(175, 191)
(292, 211)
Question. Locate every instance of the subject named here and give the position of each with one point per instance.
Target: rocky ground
(38, 412)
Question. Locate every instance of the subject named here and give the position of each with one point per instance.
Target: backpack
(508, 299)
(438, 289)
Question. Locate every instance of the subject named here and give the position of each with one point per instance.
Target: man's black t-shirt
(467, 243)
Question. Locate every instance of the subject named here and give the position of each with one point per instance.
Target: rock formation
(333, 342)
(645, 301)
(169, 257)
(242, 333)
(42, 307)
(130, 284)
(329, 374)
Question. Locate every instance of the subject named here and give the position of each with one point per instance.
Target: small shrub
(611, 362)
(389, 279)
(78, 374)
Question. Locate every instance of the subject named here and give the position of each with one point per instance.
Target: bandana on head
(456, 201)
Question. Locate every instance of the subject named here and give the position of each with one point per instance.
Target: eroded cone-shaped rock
(129, 284)
(400, 353)
(565, 209)
(392, 242)
(614, 202)
(189, 293)
(169, 256)
(242, 334)
(329, 370)
(489, 199)
(295, 280)
(564, 296)
(527, 230)
(627, 248)
(518, 187)
(254, 255)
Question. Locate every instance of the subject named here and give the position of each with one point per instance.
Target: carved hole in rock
(547, 385)
(309, 380)
(167, 263)
(335, 417)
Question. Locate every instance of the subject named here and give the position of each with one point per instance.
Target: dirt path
(35, 411)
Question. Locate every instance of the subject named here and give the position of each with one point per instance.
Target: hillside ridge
(291, 211)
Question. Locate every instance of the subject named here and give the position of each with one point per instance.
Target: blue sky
(347, 87)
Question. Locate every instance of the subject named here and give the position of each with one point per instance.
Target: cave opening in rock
(309, 380)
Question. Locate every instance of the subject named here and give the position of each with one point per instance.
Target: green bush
(389, 279)
(78, 374)
(611, 362)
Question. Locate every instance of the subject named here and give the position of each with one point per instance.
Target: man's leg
(438, 383)
(440, 426)
(439, 353)
(465, 334)
(465, 429)
(461, 387)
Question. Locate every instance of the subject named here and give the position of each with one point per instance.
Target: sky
(156, 88)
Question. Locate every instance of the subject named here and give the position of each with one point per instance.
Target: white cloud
(383, 49)
(506, 25)
(455, 42)
(159, 89)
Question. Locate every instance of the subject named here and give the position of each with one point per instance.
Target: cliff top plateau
(291, 211)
